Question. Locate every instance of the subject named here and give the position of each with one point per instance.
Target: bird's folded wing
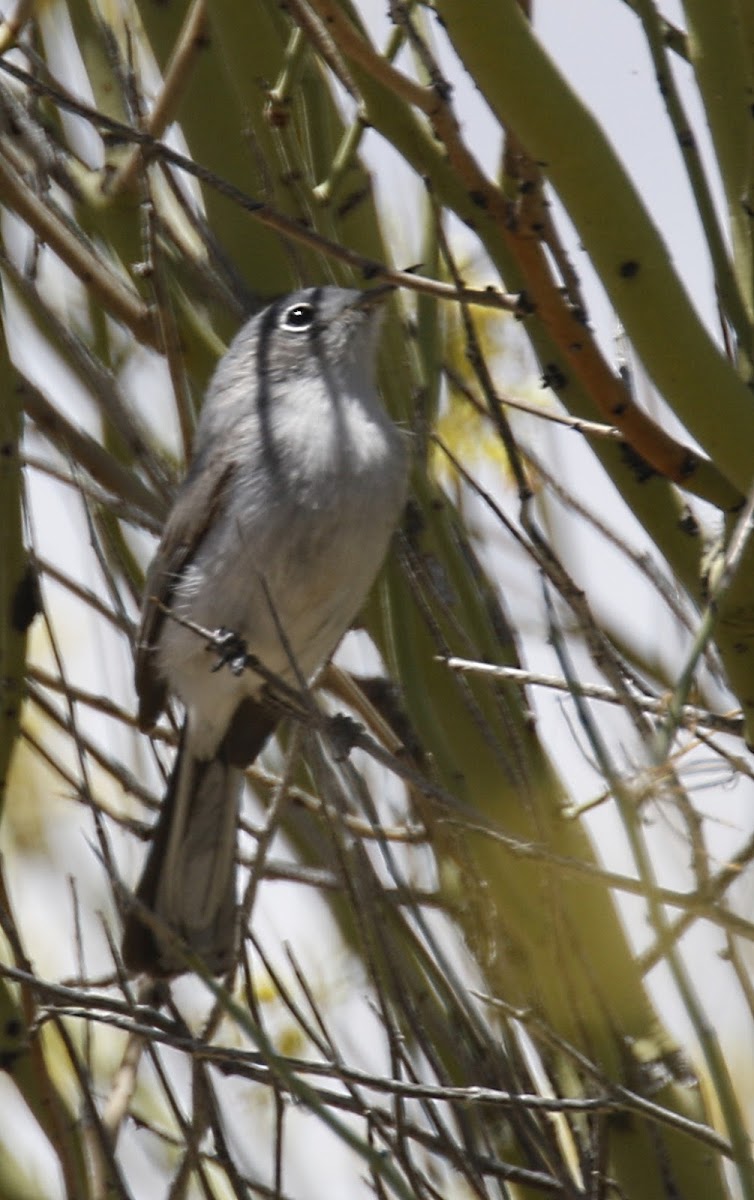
(197, 506)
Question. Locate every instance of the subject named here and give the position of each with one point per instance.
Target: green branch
(529, 95)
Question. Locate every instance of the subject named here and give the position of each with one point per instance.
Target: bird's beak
(374, 297)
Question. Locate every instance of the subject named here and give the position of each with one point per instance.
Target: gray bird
(296, 484)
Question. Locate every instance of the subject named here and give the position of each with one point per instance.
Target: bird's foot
(231, 650)
(344, 735)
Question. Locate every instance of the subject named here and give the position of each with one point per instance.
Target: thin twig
(690, 716)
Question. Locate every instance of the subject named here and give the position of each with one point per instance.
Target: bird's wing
(197, 505)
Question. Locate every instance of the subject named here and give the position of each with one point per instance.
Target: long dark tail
(189, 877)
(189, 880)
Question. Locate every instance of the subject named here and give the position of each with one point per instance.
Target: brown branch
(52, 227)
(489, 297)
(192, 41)
(564, 323)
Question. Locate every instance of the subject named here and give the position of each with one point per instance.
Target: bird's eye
(298, 317)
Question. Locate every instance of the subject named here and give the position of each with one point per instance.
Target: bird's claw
(231, 650)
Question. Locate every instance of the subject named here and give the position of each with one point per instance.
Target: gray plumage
(297, 482)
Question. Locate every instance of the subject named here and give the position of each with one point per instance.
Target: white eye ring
(298, 318)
